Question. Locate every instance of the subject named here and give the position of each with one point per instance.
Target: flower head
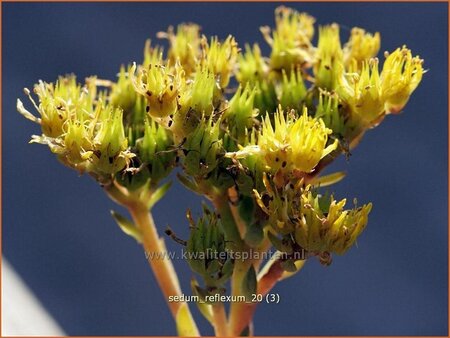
(294, 144)
(401, 75)
(360, 47)
(160, 85)
(318, 224)
(184, 46)
(364, 94)
(220, 58)
(85, 131)
(291, 39)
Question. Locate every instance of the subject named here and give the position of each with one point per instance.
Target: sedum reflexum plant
(250, 133)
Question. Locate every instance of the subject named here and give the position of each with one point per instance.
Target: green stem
(163, 269)
(220, 320)
(240, 266)
(230, 228)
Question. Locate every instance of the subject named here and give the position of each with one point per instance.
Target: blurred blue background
(58, 234)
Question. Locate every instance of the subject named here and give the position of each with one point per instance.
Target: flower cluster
(255, 130)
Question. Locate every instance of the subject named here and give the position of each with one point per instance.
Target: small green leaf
(278, 243)
(204, 308)
(158, 194)
(254, 235)
(298, 266)
(327, 180)
(249, 283)
(185, 327)
(189, 184)
(289, 266)
(127, 226)
(247, 209)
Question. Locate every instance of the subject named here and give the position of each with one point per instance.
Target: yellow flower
(160, 85)
(78, 147)
(331, 230)
(184, 46)
(360, 47)
(364, 95)
(318, 224)
(62, 101)
(371, 95)
(220, 58)
(291, 143)
(291, 40)
(308, 138)
(203, 147)
(401, 75)
(86, 132)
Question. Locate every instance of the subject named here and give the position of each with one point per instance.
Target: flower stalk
(154, 245)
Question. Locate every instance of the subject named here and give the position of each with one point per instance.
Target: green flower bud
(252, 66)
(292, 90)
(329, 59)
(328, 111)
(195, 101)
(110, 143)
(241, 112)
(265, 97)
(122, 92)
(154, 150)
(253, 71)
(199, 96)
(203, 147)
(206, 250)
